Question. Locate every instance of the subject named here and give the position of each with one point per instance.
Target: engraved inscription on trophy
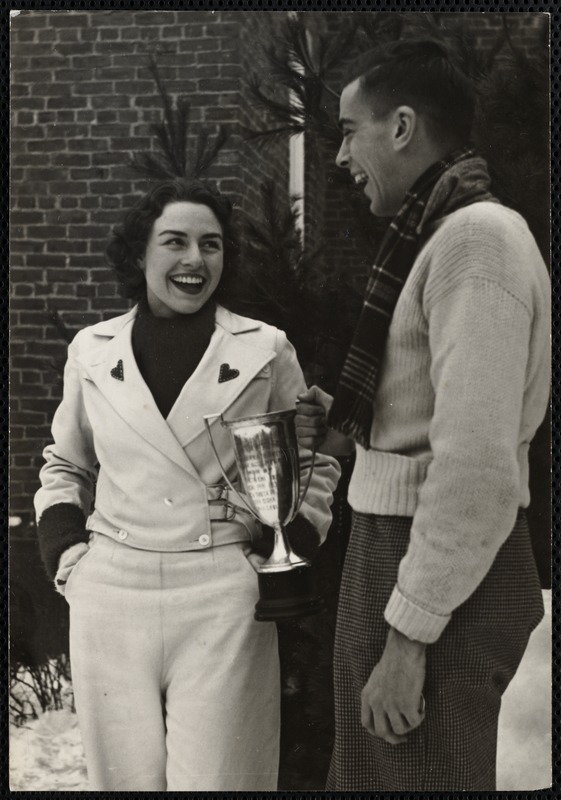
(269, 472)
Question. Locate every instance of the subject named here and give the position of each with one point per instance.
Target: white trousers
(177, 688)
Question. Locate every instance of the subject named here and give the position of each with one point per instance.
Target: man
(443, 389)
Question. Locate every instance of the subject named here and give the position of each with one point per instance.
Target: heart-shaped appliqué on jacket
(227, 373)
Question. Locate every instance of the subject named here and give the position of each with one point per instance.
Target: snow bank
(47, 754)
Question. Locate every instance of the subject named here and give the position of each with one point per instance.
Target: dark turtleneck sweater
(169, 349)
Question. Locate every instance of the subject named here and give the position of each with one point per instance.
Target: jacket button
(204, 539)
(168, 501)
(122, 534)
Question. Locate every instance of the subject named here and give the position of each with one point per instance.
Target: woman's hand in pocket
(256, 559)
(66, 564)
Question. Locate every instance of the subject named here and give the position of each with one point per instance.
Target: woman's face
(184, 259)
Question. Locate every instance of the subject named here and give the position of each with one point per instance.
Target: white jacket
(155, 476)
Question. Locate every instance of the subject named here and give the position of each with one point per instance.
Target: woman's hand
(256, 560)
(311, 417)
(66, 564)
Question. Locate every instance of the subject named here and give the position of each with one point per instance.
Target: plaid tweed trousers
(468, 668)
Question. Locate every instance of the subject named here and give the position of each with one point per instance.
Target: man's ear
(141, 264)
(405, 124)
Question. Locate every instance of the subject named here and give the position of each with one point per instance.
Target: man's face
(367, 151)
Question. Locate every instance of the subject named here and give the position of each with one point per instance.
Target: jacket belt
(223, 504)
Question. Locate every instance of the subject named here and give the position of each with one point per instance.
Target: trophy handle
(207, 419)
(307, 484)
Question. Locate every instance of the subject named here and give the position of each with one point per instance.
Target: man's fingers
(311, 418)
(310, 409)
(415, 716)
(399, 724)
(316, 396)
(377, 723)
(413, 719)
(392, 726)
(309, 396)
(311, 427)
(381, 724)
(309, 443)
(313, 403)
(383, 728)
(366, 717)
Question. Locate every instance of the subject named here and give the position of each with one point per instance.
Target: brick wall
(259, 163)
(82, 100)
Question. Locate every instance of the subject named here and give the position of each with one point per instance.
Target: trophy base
(286, 594)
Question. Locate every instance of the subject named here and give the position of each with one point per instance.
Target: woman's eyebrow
(212, 235)
(174, 233)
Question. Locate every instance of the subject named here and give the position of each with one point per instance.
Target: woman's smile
(190, 284)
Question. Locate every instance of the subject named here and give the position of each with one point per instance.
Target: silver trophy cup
(266, 453)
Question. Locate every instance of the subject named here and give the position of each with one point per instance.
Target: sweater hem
(386, 483)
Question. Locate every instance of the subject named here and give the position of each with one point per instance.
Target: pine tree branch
(176, 155)
(299, 62)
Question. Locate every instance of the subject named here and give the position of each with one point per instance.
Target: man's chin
(378, 210)
(375, 209)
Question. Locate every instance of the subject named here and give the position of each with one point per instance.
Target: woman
(176, 685)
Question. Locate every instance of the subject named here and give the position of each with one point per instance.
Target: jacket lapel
(112, 367)
(227, 367)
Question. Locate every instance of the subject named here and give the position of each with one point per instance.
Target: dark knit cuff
(301, 534)
(60, 526)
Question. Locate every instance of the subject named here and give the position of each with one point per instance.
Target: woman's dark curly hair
(128, 241)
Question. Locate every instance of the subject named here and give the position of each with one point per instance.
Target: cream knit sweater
(463, 387)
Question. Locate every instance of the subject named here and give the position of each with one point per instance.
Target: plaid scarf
(455, 182)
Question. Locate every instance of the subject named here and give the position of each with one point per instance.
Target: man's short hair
(421, 74)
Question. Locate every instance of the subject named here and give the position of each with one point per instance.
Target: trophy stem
(282, 558)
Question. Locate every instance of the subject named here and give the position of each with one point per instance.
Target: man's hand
(392, 700)
(311, 417)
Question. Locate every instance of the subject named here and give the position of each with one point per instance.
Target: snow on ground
(524, 748)
(47, 754)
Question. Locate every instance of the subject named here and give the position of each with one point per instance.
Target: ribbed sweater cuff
(412, 621)
(60, 526)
